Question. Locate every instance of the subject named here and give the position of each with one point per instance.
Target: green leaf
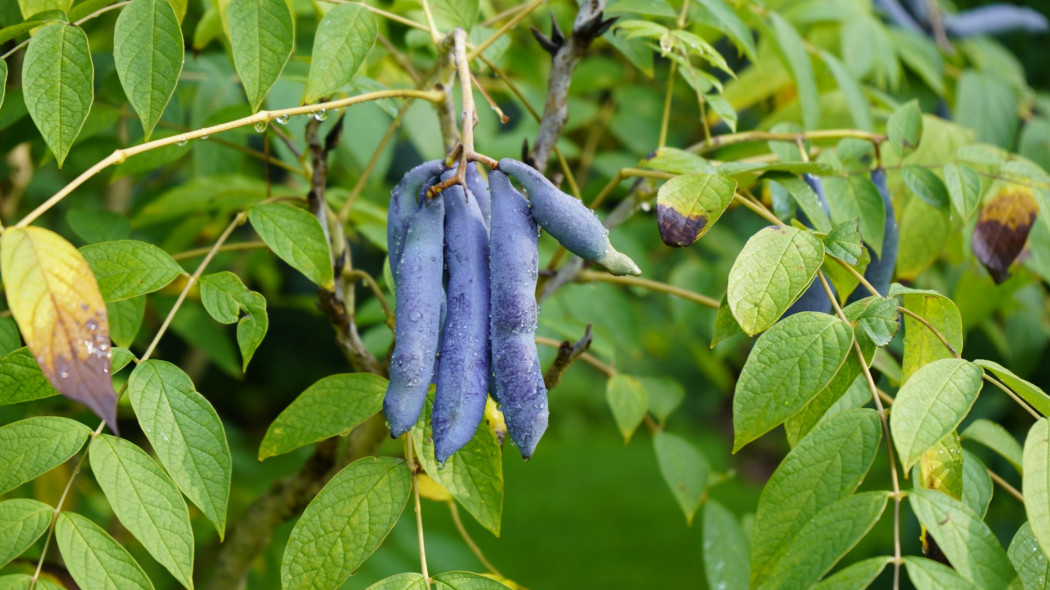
(31, 7)
(851, 90)
(252, 328)
(792, 51)
(844, 242)
(775, 267)
(23, 521)
(964, 538)
(262, 38)
(725, 323)
(941, 467)
(98, 225)
(926, 185)
(21, 379)
(466, 581)
(410, 581)
(129, 268)
(628, 401)
(732, 26)
(826, 466)
(677, 161)
(344, 37)
(996, 438)
(187, 435)
(825, 539)
(650, 7)
(1036, 481)
(964, 188)
(806, 198)
(905, 128)
(878, 317)
(665, 395)
(787, 367)
(688, 205)
(1029, 560)
(25, 582)
(125, 319)
(34, 446)
(224, 297)
(932, 404)
(3, 80)
(148, 50)
(331, 407)
(725, 549)
(146, 502)
(296, 237)
(345, 523)
(977, 484)
(1028, 391)
(927, 574)
(473, 475)
(58, 84)
(10, 338)
(93, 558)
(921, 345)
(449, 14)
(985, 103)
(684, 469)
(857, 575)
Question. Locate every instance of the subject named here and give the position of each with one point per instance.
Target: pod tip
(618, 263)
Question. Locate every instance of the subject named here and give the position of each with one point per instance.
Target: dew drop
(281, 119)
(182, 142)
(260, 126)
(205, 137)
(646, 206)
(320, 114)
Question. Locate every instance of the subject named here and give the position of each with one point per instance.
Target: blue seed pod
(814, 298)
(403, 206)
(418, 312)
(514, 266)
(995, 19)
(463, 373)
(480, 189)
(880, 271)
(568, 220)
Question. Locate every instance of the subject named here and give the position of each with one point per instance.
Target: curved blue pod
(404, 203)
(463, 373)
(880, 270)
(417, 319)
(814, 298)
(568, 220)
(480, 189)
(514, 266)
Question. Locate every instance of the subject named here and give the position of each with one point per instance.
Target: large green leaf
(965, 539)
(185, 431)
(629, 401)
(146, 502)
(466, 581)
(985, 103)
(826, 466)
(792, 50)
(1028, 391)
(905, 128)
(836, 397)
(684, 469)
(977, 484)
(25, 582)
(789, 365)
(94, 559)
(344, 37)
(58, 84)
(345, 523)
(34, 446)
(806, 197)
(333, 406)
(927, 574)
(964, 188)
(688, 205)
(851, 90)
(1036, 482)
(224, 297)
(21, 379)
(732, 26)
(407, 581)
(725, 549)
(22, 521)
(1029, 560)
(932, 404)
(995, 437)
(449, 14)
(125, 319)
(775, 267)
(296, 237)
(262, 38)
(857, 197)
(148, 50)
(129, 268)
(857, 575)
(921, 345)
(823, 541)
(927, 186)
(473, 475)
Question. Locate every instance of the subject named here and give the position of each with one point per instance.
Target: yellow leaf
(56, 302)
(432, 490)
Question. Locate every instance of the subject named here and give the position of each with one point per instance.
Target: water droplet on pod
(281, 119)
(260, 126)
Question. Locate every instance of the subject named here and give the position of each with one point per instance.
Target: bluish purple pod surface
(995, 19)
(814, 298)
(480, 190)
(463, 373)
(418, 310)
(404, 203)
(568, 220)
(513, 268)
(880, 270)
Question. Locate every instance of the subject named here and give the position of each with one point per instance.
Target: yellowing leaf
(1002, 229)
(58, 307)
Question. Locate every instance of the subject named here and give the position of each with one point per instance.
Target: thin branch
(586, 276)
(414, 469)
(198, 252)
(567, 353)
(469, 541)
(506, 27)
(262, 117)
(98, 12)
(585, 357)
(355, 274)
(1006, 486)
(435, 35)
(750, 136)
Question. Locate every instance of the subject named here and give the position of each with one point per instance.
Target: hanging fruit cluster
(471, 331)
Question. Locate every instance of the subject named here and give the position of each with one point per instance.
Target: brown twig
(567, 353)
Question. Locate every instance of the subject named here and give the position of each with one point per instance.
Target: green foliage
(94, 559)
